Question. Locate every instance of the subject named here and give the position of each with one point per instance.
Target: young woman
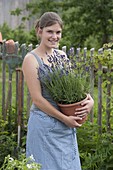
(51, 137)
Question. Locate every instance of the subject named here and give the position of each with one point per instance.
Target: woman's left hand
(87, 106)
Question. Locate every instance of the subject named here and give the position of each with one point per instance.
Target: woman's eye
(58, 32)
(50, 31)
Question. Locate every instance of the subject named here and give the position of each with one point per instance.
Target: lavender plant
(66, 80)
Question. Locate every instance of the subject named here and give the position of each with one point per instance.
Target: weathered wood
(92, 80)
(3, 83)
(13, 21)
(108, 99)
(3, 89)
(78, 54)
(28, 94)
(85, 54)
(100, 94)
(20, 104)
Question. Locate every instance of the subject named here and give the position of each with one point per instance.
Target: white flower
(29, 166)
(32, 158)
(11, 159)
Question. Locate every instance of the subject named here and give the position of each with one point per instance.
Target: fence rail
(19, 98)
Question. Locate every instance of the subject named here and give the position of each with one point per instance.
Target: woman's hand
(87, 106)
(71, 121)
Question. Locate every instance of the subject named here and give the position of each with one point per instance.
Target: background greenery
(86, 23)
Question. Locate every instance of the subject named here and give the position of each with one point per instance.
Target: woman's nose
(54, 35)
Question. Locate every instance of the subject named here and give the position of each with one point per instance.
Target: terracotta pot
(1, 38)
(10, 46)
(69, 109)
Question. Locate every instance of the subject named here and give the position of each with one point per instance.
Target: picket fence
(15, 95)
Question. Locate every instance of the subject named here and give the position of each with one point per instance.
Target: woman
(51, 137)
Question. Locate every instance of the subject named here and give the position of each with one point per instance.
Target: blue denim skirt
(52, 143)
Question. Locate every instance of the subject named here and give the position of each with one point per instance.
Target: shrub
(95, 150)
(20, 164)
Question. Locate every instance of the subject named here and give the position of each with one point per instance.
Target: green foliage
(85, 22)
(7, 140)
(6, 31)
(41, 6)
(17, 12)
(20, 164)
(92, 42)
(86, 18)
(95, 150)
(8, 135)
(105, 59)
(19, 34)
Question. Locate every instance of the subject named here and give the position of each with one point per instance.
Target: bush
(7, 141)
(19, 34)
(20, 164)
(95, 149)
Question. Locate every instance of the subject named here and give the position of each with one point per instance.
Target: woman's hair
(48, 19)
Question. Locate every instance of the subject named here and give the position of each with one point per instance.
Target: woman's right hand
(71, 121)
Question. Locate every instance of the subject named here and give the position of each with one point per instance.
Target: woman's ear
(39, 32)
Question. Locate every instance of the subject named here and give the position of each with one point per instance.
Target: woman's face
(51, 35)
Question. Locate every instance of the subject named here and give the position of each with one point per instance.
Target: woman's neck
(44, 53)
(44, 50)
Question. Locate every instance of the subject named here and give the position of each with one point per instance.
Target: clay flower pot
(1, 38)
(10, 46)
(69, 109)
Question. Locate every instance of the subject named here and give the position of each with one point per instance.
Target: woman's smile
(53, 42)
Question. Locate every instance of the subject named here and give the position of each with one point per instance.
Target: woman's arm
(29, 68)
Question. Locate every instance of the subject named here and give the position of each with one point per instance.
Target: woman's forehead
(53, 27)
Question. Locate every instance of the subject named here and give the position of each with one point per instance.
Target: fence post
(78, 54)
(20, 104)
(85, 54)
(108, 99)
(64, 49)
(92, 79)
(28, 94)
(3, 81)
(100, 51)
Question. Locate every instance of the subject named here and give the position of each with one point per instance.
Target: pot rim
(73, 104)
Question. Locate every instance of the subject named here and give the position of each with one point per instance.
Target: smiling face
(50, 36)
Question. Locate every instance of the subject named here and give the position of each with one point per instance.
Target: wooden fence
(16, 99)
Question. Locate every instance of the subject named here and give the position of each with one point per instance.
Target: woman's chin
(53, 45)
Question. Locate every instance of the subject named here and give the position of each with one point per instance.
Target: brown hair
(48, 19)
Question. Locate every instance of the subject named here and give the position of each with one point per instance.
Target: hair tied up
(37, 24)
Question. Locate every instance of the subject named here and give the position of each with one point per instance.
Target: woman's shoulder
(29, 60)
(30, 56)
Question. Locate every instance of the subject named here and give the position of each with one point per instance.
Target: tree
(85, 18)
(86, 22)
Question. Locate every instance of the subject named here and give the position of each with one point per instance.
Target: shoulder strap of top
(37, 58)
